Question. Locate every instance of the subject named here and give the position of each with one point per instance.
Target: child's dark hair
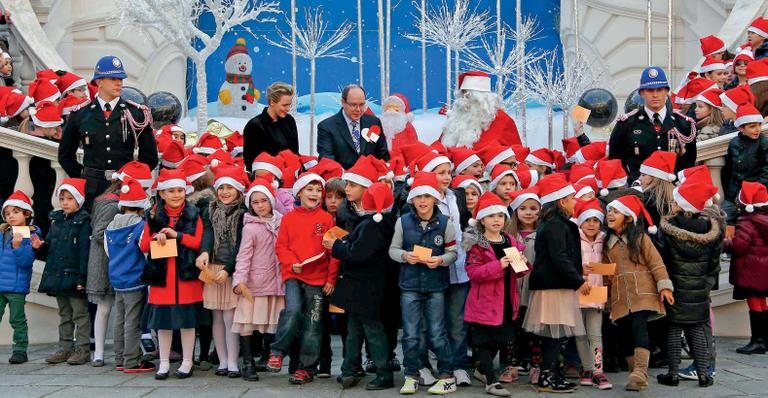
(336, 186)
(27, 214)
(124, 209)
(633, 232)
(203, 182)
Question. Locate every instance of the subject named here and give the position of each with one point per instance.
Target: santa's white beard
(392, 123)
(469, 117)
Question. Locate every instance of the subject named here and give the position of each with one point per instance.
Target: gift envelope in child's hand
(23, 230)
(156, 250)
(580, 114)
(208, 273)
(597, 295)
(423, 253)
(335, 310)
(603, 269)
(335, 232)
(518, 261)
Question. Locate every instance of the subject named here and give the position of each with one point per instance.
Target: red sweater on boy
(301, 238)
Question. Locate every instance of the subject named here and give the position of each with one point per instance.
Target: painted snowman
(237, 95)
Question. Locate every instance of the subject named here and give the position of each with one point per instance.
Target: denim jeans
(302, 314)
(455, 327)
(359, 329)
(429, 308)
(731, 212)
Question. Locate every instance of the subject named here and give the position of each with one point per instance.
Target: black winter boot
(756, 344)
(249, 367)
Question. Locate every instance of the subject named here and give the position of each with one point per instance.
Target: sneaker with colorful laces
(585, 378)
(300, 376)
(443, 386)
(275, 363)
(600, 380)
(410, 386)
(509, 375)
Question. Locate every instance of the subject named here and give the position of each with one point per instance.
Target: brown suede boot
(630, 363)
(638, 379)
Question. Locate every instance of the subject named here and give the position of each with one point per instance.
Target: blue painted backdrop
(271, 63)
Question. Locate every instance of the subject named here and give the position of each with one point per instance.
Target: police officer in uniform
(654, 127)
(109, 130)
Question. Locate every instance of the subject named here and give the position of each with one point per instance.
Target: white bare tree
(422, 21)
(360, 42)
(526, 30)
(176, 21)
(294, 75)
(314, 41)
(544, 83)
(382, 51)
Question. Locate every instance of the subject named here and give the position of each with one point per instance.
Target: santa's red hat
(173, 154)
(747, 113)
(272, 164)
(518, 197)
(660, 164)
(327, 169)
(711, 97)
(362, 172)
(304, 180)
(71, 103)
(18, 199)
(265, 185)
(230, 175)
(46, 114)
(424, 183)
(586, 209)
(378, 199)
(493, 154)
(132, 194)
(13, 103)
(694, 196)
(711, 64)
(192, 170)
(593, 151)
(542, 157)
(466, 181)
(291, 168)
(430, 160)
(736, 96)
(632, 207)
(610, 174)
(585, 186)
(220, 157)
(207, 144)
(696, 87)
(525, 176)
(43, 90)
(488, 204)
(570, 146)
(75, 186)
(475, 81)
(700, 173)
(174, 178)
(753, 195)
(711, 45)
(69, 81)
(235, 144)
(499, 171)
(400, 100)
(745, 54)
(579, 172)
(759, 26)
(553, 187)
(138, 171)
(757, 71)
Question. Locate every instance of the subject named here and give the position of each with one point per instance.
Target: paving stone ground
(737, 376)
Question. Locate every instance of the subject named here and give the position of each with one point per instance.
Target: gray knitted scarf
(224, 219)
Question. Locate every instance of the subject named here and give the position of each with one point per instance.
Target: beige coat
(636, 286)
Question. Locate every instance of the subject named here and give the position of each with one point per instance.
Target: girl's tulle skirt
(554, 313)
(260, 315)
(219, 297)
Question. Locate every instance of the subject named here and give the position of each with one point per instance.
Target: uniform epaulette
(627, 115)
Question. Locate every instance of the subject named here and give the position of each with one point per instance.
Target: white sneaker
(443, 386)
(425, 377)
(410, 386)
(462, 378)
(479, 376)
(498, 390)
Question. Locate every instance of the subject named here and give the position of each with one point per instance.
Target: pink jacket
(592, 252)
(257, 264)
(284, 201)
(485, 301)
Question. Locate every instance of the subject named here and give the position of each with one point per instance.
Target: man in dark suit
(344, 136)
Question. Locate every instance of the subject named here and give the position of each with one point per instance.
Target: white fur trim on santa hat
(172, 165)
(740, 121)
(203, 150)
(757, 80)
(304, 180)
(18, 203)
(757, 31)
(476, 83)
(682, 202)
(623, 209)
(531, 158)
(174, 183)
(589, 213)
(534, 179)
(466, 183)
(651, 171)
(139, 204)
(79, 198)
(262, 189)
(74, 85)
(559, 194)
(584, 190)
(437, 161)
(191, 178)
(24, 105)
(727, 101)
(490, 210)
(706, 100)
(518, 201)
(268, 167)
(506, 153)
(619, 182)
(228, 180)
(236, 151)
(712, 67)
(423, 190)
(494, 182)
(357, 179)
(466, 163)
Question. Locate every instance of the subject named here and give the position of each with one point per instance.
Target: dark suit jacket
(334, 141)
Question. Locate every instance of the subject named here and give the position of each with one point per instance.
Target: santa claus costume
(396, 121)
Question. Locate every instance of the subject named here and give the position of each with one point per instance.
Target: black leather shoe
(249, 372)
(161, 376)
(706, 381)
(221, 372)
(348, 381)
(379, 384)
(234, 374)
(18, 357)
(181, 375)
(668, 379)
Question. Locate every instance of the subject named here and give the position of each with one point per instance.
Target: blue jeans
(731, 212)
(455, 327)
(302, 314)
(430, 308)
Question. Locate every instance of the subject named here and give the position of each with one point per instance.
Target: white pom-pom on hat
(4, 119)
(125, 189)
(672, 177)
(390, 175)
(716, 197)
(409, 181)
(749, 208)
(472, 222)
(652, 229)
(377, 217)
(215, 163)
(604, 192)
(275, 184)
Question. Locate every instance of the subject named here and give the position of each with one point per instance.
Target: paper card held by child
(518, 260)
(580, 113)
(603, 269)
(208, 274)
(246, 292)
(156, 250)
(335, 310)
(597, 295)
(313, 258)
(423, 253)
(335, 232)
(23, 230)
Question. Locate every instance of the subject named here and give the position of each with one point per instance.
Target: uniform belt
(89, 172)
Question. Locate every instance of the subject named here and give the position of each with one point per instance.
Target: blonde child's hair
(661, 193)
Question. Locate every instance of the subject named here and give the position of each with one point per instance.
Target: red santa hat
(197, 158)
(488, 204)
(71, 103)
(736, 96)
(402, 103)
(192, 170)
(757, 71)
(265, 185)
(593, 151)
(753, 195)
(174, 178)
(362, 172)
(414, 151)
(493, 154)
(553, 187)
(467, 181)
(632, 207)
(542, 157)
(759, 26)
(570, 146)
(383, 173)
(378, 199)
(424, 183)
(291, 167)
(521, 152)
(132, 194)
(174, 154)
(207, 144)
(747, 113)
(43, 90)
(138, 171)
(75, 186)
(235, 144)
(694, 196)
(696, 87)
(475, 81)
(308, 161)
(18, 199)
(711, 98)
(660, 164)
(13, 103)
(220, 157)
(745, 54)
(711, 45)
(518, 197)
(230, 175)
(525, 176)
(46, 114)
(169, 129)
(586, 209)
(499, 171)
(304, 180)
(272, 164)
(585, 186)
(699, 173)
(610, 174)
(327, 169)
(47, 74)
(462, 158)
(69, 81)
(579, 172)
(397, 166)
(711, 64)
(430, 160)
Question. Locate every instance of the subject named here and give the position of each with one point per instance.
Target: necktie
(356, 135)
(107, 110)
(656, 123)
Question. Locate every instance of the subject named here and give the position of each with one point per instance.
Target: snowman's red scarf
(250, 94)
